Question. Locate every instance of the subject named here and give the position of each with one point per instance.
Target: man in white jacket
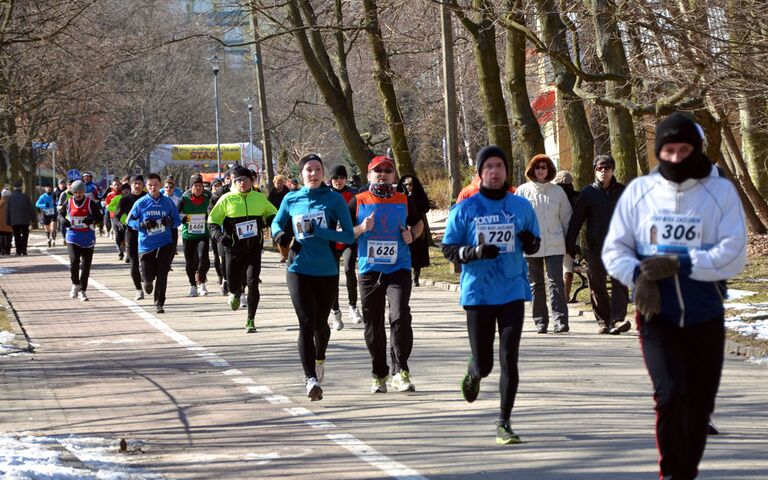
(675, 235)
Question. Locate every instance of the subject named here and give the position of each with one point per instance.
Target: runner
(113, 202)
(61, 200)
(170, 191)
(114, 190)
(153, 216)
(236, 222)
(92, 190)
(386, 222)
(46, 203)
(313, 273)
(347, 252)
(132, 235)
(79, 214)
(675, 235)
(219, 251)
(488, 233)
(193, 208)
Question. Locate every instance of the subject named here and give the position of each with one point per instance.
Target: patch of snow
(758, 329)
(758, 361)
(27, 456)
(5, 271)
(734, 294)
(6, 342)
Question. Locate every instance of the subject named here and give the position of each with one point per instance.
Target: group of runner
(676, 281)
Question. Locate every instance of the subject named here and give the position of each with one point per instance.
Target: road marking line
(243, 380)
(359, 449)
(372, 457)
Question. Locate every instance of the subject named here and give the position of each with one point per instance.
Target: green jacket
(194, 213)
(238, 218)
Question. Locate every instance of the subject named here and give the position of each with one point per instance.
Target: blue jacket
(45, 201)
(327, 210)
(149, 208)
(503, 279)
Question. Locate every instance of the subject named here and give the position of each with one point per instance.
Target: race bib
(304, 224)
(382, 252)
(48, 211)
(247, 229)
(78, 222)
(500, 234)
(156, 230)
(671, 230)
(196, 223)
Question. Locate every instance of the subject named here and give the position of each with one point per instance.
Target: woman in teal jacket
(319, 218)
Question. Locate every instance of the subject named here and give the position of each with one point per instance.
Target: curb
(16, 327)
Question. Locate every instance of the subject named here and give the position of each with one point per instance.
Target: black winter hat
(196, 178)
(677, 128)
(137, 178)
(339, 171)
(487, 152)
(309, 158)
(239, 171)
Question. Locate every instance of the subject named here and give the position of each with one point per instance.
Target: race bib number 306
(675, 230)
(502, 235)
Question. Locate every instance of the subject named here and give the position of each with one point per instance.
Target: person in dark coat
(595, 205)
(411, 186)
(564, 178)
(20, 214)
(275, 197)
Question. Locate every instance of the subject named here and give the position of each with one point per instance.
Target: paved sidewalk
(197, 398)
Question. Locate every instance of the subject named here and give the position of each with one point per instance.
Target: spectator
(20, 214)
(553, 211)
(595, 205)
(564, 178)
(411, 186)
(6, 231)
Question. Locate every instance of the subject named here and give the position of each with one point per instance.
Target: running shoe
(82, 296)
(249, 326)
(139, 295)
(712, 428)
(337, 323)
(314, 392)
(49, 243)
(401, 382)
(470, 387)
(562, 329)
(224, 288)
(234, 301)
(320, 370)
(159, 309)
(74, 291)
(505, 435)
(121, 256)
(243, 300)
(201, 290)
(192, 291)
(355, 314)
(379, 385)
(603, 329)
(148, 287)
(621, 327)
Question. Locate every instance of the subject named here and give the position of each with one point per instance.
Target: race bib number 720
(501, 234)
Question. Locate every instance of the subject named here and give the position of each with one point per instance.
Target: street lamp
(215, 63)
(249, 102)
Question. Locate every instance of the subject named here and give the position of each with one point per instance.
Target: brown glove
(659, 267)
(647, 297)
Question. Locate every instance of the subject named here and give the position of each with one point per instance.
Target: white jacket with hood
(553, 212)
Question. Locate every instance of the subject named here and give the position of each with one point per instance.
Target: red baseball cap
(376, 161)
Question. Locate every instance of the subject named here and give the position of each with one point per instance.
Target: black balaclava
(678, 128)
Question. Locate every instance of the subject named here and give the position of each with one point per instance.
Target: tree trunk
(742, 175)
(554, 35)
(387, 96)
(319, 65)
(530, 141)
(753, 114)
(483, 35)
(621, 128)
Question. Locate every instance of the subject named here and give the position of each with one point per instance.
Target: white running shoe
(82, 296)
(320, 370)
(74, 291)
(401, 382)
(244, 299)
(201, 290)
(337, 323)
(139, 295)
(355, 314)
(379, 385)
(192, 291)
(314, 392)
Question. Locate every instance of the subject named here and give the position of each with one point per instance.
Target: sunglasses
(383, 170)
(602, 168)
(541, 167)
(338, 177)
